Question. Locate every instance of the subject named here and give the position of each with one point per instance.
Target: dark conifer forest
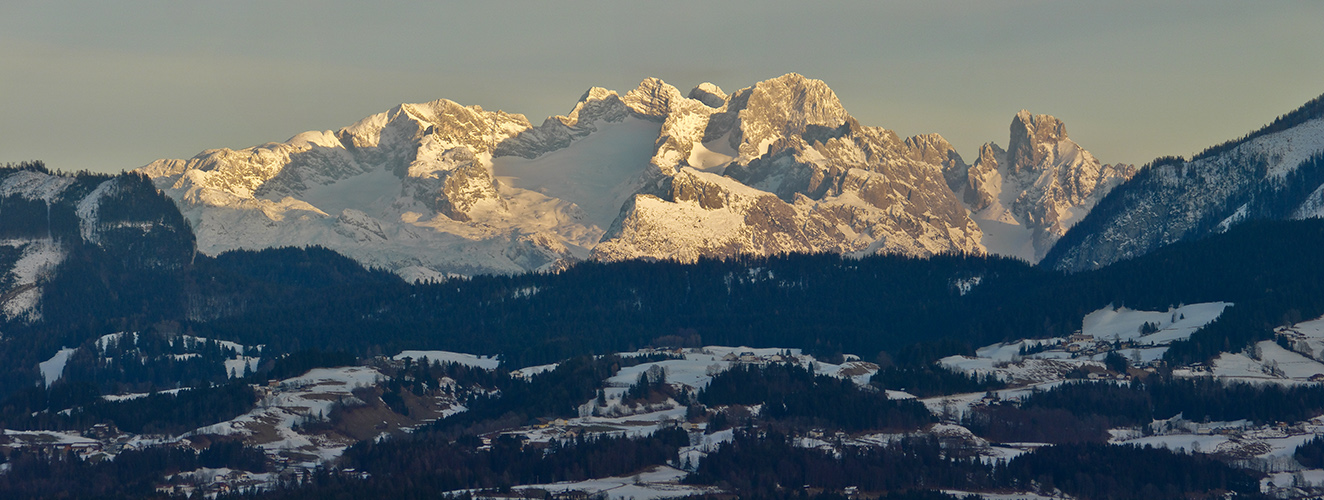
(294, 300)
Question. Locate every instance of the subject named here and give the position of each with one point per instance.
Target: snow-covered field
(47, 437)
(1275, 364)
(484, 362)
(1104, 326)
(1175, 324)
(299, 400)
(693, 373)
(701, 365)
(53, 368)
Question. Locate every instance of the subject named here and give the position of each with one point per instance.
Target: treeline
(756, 466)
(932, 379)
(423, 468)
(514, 402)
(296, 300)
(1084, 411)
(39, 408)
(1196, 399)
(881, 303)
(793, 395)
(1311, 453)
(298, 363)
(1093, 470)
(1309, 111)
(132, 474)
(1280, 198)
(767, 467)
(148, 362)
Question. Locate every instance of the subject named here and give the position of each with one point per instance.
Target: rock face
(1274, 173)
(1027, 196)
(439, 188)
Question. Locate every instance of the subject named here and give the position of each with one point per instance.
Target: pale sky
(110, 86)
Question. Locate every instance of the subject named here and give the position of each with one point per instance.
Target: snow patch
(52, 369)
(530, 371)
(484, 362)
(89, 210)
(39, 259)
(655, 483)
(236, 368)
(298, 400)
(966, 285)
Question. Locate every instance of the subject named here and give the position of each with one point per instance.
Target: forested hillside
(915, 309)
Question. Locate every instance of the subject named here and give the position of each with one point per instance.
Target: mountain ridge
(435, 189)
(1275, 172)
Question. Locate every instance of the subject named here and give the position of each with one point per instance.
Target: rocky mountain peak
(596, 104)
(557, 132)
(709, 94)
(653, 99)
(779, 108)
(935, 150)
(1032, 136)
(797, 99)
(1028, 195)
(597, 94)
(979, 191)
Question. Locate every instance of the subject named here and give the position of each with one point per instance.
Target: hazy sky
(109, 86)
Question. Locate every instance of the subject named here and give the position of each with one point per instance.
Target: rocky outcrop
(455, 190)
(709, 94)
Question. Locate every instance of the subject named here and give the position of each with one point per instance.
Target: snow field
(1175, 324)
(1104, 325)
(39, 258)
(597, 173)
(484, 362)
(52, 369)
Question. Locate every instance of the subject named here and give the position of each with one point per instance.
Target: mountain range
(437, 189)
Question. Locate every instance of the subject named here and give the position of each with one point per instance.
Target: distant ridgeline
(130, 268)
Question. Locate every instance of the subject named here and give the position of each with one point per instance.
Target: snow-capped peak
(420, 186)
(1027, 196)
